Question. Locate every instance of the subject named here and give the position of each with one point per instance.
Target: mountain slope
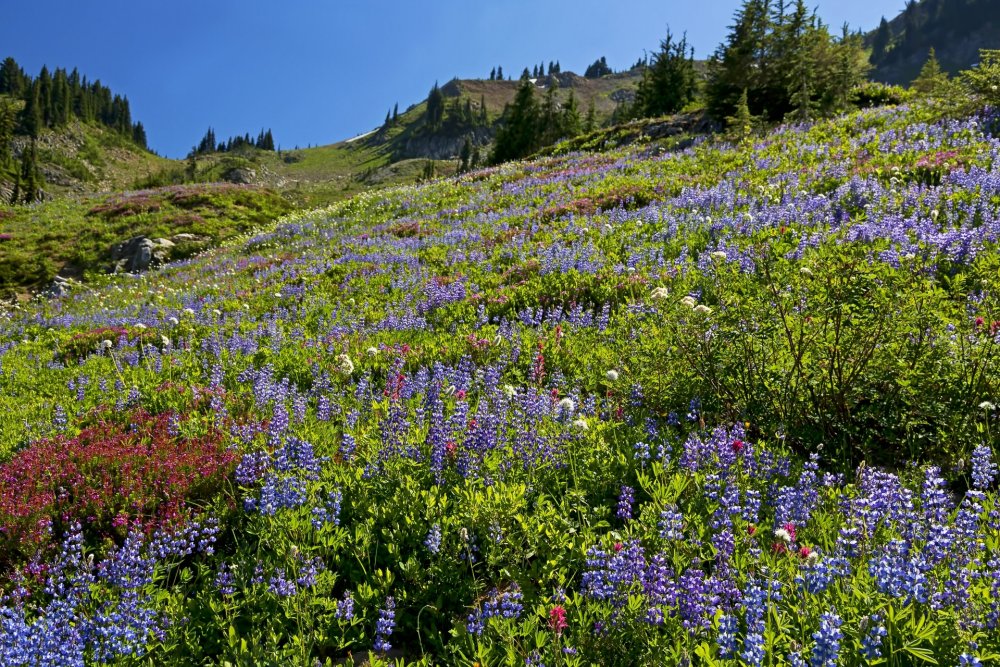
(955, 29)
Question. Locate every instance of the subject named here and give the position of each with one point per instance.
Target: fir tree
(435, 107)
(465, 157)
(139, 135)
(669, 84)
(571, 122)
(395, 114)
(931, 79)
(598, 69)
(518, 136)
(493, 74)
(13, 81)
(881, 41)
(483, 118)
(499, 73)
(590, 123)
(31, 115)
(525, 75)
(551, 126)
(740, 125)
(30, 180)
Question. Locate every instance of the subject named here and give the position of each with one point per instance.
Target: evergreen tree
(598, 69)
(881, 41)
(13, 80)
(670, 83)
(8, 123)
(736, 64)
(435, 107)
(518, 136)
(740, 124)
(31, 115)
(62, 106)
(395, 115)
(28, 187)
(483, 118)
(45, 96)
(465, 157)
(268, 140)
(139, 135)
(590, 124)
(983, 81)
(931, 79)
(551, 126)
(571, 122)
(499, 73)
(388, 119)
(493, 74)
(525, 75)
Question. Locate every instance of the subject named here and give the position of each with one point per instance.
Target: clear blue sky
(317, 71)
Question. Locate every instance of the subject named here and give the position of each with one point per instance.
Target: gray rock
(240, 176)
(139, 253)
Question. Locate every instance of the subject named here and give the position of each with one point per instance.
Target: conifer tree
(499, 73)
(493, 74)
(669, 84)
(590, 123)
(31, 116)
(12, 78)
(518, 136)
(740, 124)
(551, 126)
(483, 118)
(139, 135)
(395, 114)
(268, 140)
(881, 41)
(931, 79)
(571, 122)
(465, 157)
(28, 186)
(435, 107)
(45, 96)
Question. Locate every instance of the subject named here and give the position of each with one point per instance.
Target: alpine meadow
(695, 362)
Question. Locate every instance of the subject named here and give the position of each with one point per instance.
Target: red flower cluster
(130, 471)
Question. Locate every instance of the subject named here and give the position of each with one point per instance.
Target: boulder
(139, 252)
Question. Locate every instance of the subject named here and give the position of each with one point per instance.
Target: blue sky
(317, 71)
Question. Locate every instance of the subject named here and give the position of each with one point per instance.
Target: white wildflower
(217, 312)
(106, 344)
(580, 423)
(612, 375)
(278, 295)
(165, 341)
(659, 294)
(689, 301)
(987, 406)
(783, 534)
(813, 556)
(140, 326)
(189, 312)
(372, 351)
(567, 404)
(703, 309)
(719, 254)
(344, 364)
(173, 321)
(509, 390)
(806, 271)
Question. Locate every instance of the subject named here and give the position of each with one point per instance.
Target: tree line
(29, 105)
(209, 144)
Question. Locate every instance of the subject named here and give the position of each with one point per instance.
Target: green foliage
(669, 83)
(931, 81)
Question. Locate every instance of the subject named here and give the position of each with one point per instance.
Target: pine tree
(395, 114)
(931, 79)
(465, 157)
(31, 115)
(571, 123)
(499, 73)
(388, 119)
(590, 124)
(268, 140)
(525, 75)
(45, 96)
(669, 84)
(493, 74)
(483, 118)
(740, 125)
(518, 136)
(30, 179)
(12, 78)
(551, 129)
(881, 41)
(736, 64)
(435, 107)
(139, 135)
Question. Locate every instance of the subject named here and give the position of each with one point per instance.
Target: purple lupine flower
(433, 539)
(385, 625)
(984, 470)
(626, 498)
(827, 647)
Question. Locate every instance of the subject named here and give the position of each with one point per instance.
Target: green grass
(75, 236)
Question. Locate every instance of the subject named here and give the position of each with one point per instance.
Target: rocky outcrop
(139, 253)
(440, 146)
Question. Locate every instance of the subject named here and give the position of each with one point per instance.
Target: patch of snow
(361, 136)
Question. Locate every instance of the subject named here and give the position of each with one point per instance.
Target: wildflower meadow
(699, 403)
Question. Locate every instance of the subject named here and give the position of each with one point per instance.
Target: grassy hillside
(643, 406)
(73, 236)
